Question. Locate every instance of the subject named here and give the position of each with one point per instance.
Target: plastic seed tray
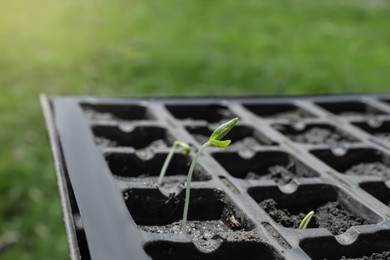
(289, 155)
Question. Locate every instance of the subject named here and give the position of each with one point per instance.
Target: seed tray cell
(138, 168)
(139, 137)
(357, 162)
(111, 112)
(209, 113)
(278, 166)
(379, 190)
(289, 155)
(367, 246)
(149, 207)
(378, 129)
(335, 211)
(351, 109)
(315, 134)
(279, 111)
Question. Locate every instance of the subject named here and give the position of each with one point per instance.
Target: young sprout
(214, 140)
(184, 147)
(306, 220)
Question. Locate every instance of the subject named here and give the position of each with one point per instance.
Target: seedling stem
(184, 147)
(306, 220)
(215, 140)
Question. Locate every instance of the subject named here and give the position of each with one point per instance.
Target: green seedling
(306, 220)
(184, 147)
(214, 140)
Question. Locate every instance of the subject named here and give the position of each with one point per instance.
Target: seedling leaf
(220, 144)
(184, 147)
(223, 129)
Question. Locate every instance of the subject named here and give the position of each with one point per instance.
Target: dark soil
(279, 173)
(380, 256)
(320, 135)
(282, 216)
(337, 219)
(332, 216)
(364, 169)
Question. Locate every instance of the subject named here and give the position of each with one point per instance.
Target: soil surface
(320, 135)
(107, 116)
(207, 235)
(364, 169)
(105, 142)
(380, 256)
(282, 216)
(155, 145)
(204, 234)
(293, 115)
(94, 115)
(281, 174)
(336, 218)
(332, 216)
(358, 113)
(383, 136)
(171, 183)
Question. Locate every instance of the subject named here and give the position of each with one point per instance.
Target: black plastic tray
(328, 151)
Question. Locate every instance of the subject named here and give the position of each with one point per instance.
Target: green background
(171, 47)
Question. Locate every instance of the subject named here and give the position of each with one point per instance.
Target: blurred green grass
(168, 47)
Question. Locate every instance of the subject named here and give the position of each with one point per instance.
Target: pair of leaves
(220, 132)
(215, 138)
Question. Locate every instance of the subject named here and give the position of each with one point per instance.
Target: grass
(162, 47)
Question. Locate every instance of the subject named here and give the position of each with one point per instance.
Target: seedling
(214, 140)
(306, 220)
(184, 147)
